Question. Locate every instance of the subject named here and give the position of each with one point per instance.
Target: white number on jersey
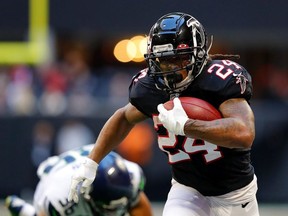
(189, 146)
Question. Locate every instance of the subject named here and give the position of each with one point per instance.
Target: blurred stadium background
(61, 77)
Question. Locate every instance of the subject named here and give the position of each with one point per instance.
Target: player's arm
(115, 130)
(112, 134)
(142, 208)
(235, 130)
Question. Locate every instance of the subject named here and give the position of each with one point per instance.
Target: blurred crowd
(65, 87)
(70, 86)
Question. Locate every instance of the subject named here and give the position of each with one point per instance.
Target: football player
(117, 190)
(210, 160)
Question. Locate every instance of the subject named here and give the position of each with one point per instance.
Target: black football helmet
(176, 51)
(112, 189)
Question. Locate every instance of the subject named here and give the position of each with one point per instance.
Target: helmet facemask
(186, 53)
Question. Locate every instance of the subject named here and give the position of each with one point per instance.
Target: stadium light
(131, 49)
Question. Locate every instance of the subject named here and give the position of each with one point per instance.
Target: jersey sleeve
(57, 162)
(144, 95)
(239, 85)
(222, 80)
(52, 190)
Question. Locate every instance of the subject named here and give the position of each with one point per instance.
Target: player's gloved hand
(85, 175)
(174, 119)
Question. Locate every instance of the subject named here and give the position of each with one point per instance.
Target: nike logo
(244, 205)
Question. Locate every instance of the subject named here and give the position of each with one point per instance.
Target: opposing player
(210, 160)
(117, 190)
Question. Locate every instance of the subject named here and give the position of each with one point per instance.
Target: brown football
(196, 108)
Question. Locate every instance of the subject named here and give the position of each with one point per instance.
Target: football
(196, 108)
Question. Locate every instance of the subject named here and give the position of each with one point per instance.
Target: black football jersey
(210, 169)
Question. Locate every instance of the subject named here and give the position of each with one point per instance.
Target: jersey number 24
(169, 142)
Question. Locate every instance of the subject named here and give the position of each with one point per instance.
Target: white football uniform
(55, 176)
(183, 200)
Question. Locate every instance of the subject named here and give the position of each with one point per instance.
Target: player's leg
(183, 200)
(241, 202)
(18, 207)
(246, 209)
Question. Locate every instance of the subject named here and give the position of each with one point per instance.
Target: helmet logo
(192, 22)
(197, 30)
